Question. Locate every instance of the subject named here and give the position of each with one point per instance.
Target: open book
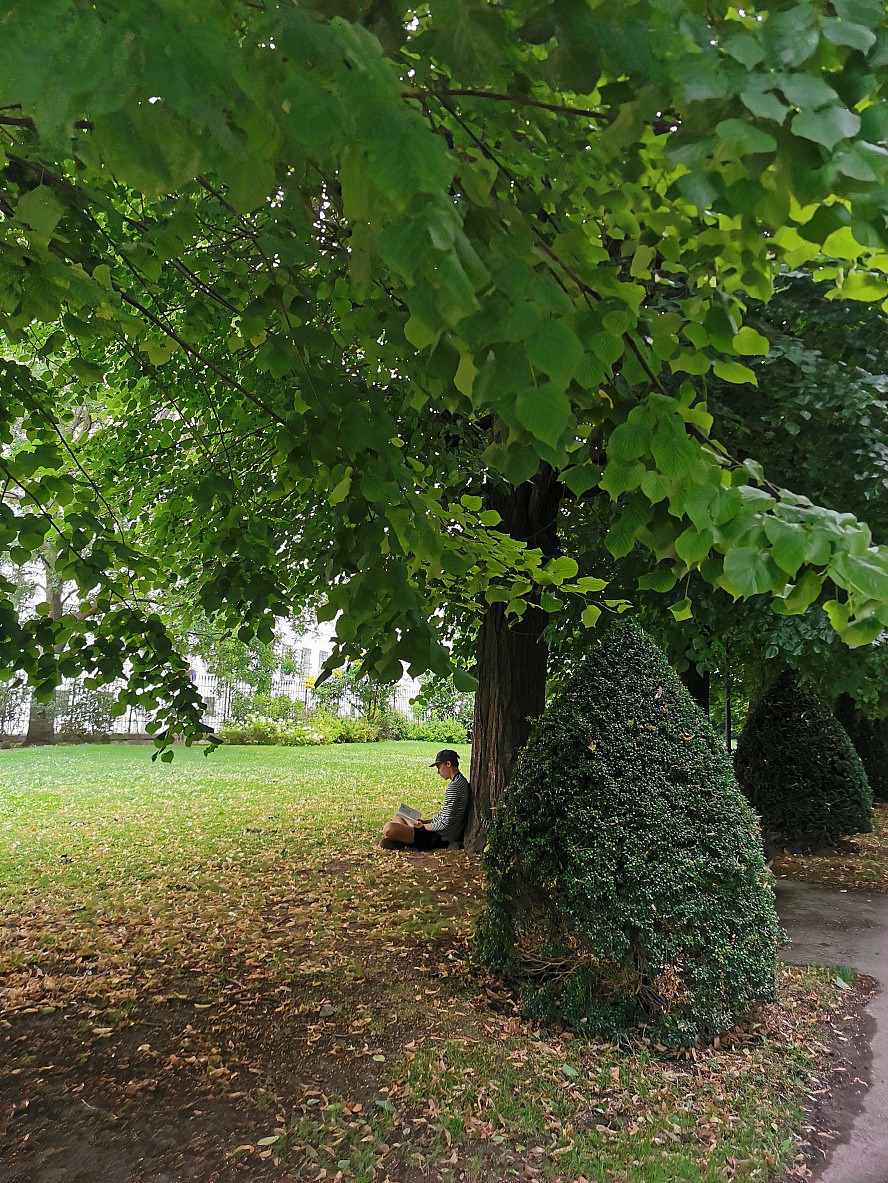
(408, 814)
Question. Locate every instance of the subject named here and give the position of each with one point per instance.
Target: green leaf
(340, 491)
(804, 594)
(861, 632)
(748, 342)
(562, 568)
(555, 349)
(745, 137)
(516, 607)
(655, 486)
(581, 478)
(682, 610)
(160, 352)
(622, 478)
(89, 374)
(40, 209)
(621, 537)
(807, 90)
(693, 546)
(733, 371)
(745, 49)
(827, 127)
(847, 33)
(838, 614)
(862, 162)
(861, 573)
(749, 572)
(662, 579)
(789, 544)
(863, 286)
(464, 681)
(764, 105)
(590, 615)
(466, 372)
(630, 440)
(419, 334)
(545, 412)
(698, 503)
(673, 453)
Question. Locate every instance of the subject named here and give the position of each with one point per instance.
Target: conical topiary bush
(799, 769)
(626, 879)
(870, 740)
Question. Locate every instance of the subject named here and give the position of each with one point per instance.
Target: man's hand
(419, 825)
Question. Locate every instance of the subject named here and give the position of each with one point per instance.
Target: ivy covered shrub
(799, 769)
(626, 879)
(870, 740)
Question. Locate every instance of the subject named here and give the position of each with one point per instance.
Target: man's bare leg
(399, 830)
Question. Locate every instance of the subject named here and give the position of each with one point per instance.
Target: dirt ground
(186, 1092)
(166, 1076)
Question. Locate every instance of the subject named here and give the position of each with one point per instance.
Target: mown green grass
(68, 814)
(232, 881)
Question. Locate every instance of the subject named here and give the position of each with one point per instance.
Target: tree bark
(41, 715)
(511, 657)
(696, 681)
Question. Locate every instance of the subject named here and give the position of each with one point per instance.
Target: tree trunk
(696, 681)
(729, 738)
(41, 716)
(512, 657)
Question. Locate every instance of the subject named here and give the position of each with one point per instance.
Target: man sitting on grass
(447, 826)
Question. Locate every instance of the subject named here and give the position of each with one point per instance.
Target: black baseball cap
(446, 756)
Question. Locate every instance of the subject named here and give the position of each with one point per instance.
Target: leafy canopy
(328, 268)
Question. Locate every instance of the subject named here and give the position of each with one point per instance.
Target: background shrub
(870, 740)
(798, 767)
(355, 729)
(260, 729)
(389, 723)
(626, 880)
(440, 731)
(322, 727)
(82, 713)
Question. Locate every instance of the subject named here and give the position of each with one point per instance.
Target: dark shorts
(424, 839)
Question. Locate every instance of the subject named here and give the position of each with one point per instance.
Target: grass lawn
(209, 971)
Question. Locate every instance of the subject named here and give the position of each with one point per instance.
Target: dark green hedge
(799, 769)
(626, 880)
(870, 740)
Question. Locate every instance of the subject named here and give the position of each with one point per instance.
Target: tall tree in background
(369, 296)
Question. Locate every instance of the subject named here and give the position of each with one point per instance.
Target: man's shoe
(393, 844)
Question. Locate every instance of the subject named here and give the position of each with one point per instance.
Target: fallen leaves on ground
(209, 971)
(859, 863)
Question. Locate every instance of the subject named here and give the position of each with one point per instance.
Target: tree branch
(202, 358)
(515, 100)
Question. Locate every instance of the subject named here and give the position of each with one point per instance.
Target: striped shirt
(451, 821)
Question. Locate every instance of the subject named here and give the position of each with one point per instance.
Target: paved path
(832, 927)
